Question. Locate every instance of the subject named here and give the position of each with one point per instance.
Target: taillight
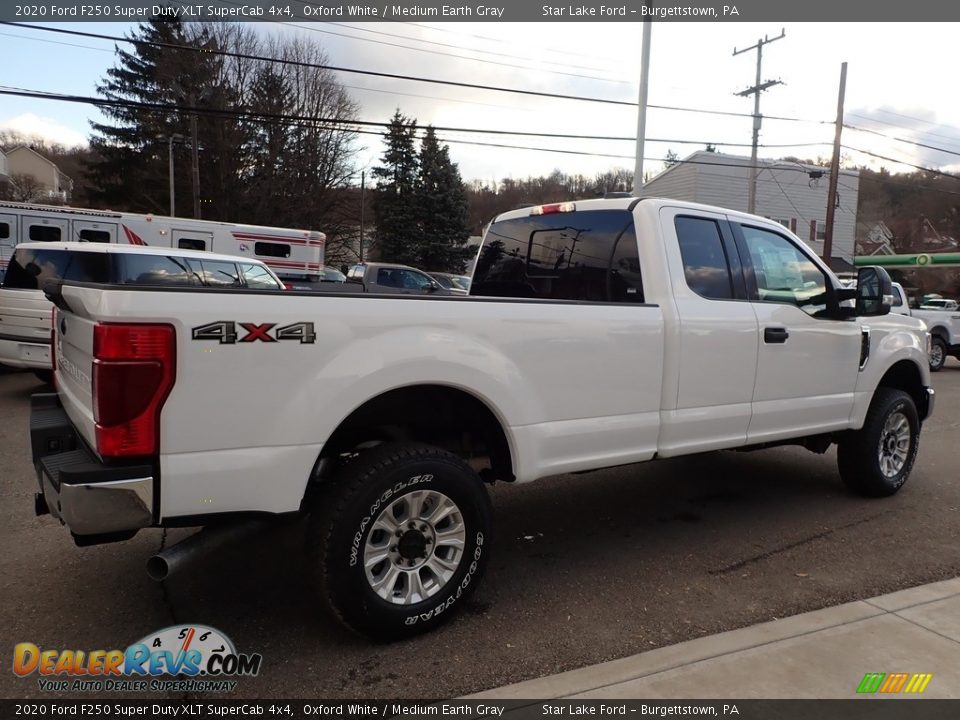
(134, 367)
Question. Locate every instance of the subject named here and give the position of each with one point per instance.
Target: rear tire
(938, 353)
(399, 539)
(876, 460)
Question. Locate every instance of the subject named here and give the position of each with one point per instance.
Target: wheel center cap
(412, 545)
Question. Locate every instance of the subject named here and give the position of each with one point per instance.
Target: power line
(251, 114)
(460, 47)
(56, 42)
(902, 140)
(394, 76)
(906, 127)
(564, 51)
(903, 162)
(358, 88)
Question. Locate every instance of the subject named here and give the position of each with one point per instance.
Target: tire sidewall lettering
(456, 594)
(387, 494)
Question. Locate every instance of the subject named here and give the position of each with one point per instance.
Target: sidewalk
(820, 654)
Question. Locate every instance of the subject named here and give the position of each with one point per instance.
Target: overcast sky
(898, 84)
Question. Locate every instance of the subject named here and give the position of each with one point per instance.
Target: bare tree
(24, 188)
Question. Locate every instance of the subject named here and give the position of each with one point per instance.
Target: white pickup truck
(597, 333)
(943, 324)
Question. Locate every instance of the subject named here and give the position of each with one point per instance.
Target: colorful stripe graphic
(893, 683)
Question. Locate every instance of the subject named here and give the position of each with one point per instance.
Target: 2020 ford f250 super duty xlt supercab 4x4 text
(597, 333)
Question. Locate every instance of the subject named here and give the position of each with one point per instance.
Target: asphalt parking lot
(585, 568)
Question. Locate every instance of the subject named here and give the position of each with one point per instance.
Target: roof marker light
(554, 208)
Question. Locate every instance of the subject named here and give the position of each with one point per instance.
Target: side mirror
(874, 292)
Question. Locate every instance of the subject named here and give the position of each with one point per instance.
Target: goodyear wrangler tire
(399, 539)
(877, 459)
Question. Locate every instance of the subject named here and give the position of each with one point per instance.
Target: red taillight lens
(134, 368)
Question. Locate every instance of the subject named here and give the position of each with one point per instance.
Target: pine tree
(397, 222)
(130, 169)
(442, 207)
(267, 150)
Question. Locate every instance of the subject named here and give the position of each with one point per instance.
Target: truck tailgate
(73, 350)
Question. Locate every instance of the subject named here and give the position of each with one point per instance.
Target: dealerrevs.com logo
(180, 658)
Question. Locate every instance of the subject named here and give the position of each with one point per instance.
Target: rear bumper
(25, 352)
(90, 498)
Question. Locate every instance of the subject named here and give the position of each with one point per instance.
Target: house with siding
(793, 194)
(54, 184)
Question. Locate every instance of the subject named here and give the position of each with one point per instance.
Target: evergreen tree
(442, 206)
(394, 210)
(130, 169)
(267, 149)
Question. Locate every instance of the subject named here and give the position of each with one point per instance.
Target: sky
(895, 86)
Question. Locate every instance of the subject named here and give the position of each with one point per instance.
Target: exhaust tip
(158, 568)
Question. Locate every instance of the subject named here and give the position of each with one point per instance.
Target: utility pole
(758, 88)
(362, 191)
(834, 169)
(171, 139)
(642, 104)
(173, 202)
(196, 165)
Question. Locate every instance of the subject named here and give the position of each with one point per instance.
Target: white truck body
(543, 386)
(942, 323)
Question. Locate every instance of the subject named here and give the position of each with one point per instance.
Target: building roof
(706, 157)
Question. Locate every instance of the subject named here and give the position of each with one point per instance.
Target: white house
(792, 193)
(53, 183)
(4, 173)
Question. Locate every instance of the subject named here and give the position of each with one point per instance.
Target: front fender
(898, 350)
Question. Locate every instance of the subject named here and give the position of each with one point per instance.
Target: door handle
(775, 335)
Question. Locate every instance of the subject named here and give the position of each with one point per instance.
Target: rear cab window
(586, 256)
(31, 269)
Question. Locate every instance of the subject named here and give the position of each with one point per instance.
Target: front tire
(399, 539)
(938, 354)
(876, 460)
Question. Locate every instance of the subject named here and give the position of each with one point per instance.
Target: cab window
(587, 256)
(219, 273)
(783, 272)
(257, 276)
(705, 264)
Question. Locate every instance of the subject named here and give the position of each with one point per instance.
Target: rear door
(808, 361)
(717, 356)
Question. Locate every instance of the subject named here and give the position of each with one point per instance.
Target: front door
(808, 361)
